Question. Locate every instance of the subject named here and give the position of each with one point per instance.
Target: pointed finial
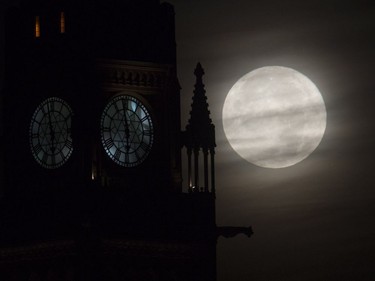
(199, 72)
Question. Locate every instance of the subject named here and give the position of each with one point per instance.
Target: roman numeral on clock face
(37, 148)
(108, 143)
(53, 160)
(137, 155)
(69, 144)
(144, 146)
(34, 136)
(45, 158)
(117, 154)
(51, 106)
(145, 118)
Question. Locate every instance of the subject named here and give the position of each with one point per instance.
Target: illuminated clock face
(50, 133)
(126, 131)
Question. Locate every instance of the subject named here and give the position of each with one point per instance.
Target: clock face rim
(66, 148)
(112, 147)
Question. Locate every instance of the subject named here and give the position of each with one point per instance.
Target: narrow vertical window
(37, 27)
(62, 22)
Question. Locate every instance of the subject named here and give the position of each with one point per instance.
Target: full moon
(274, 117)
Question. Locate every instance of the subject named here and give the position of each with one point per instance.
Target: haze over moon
(274, 117)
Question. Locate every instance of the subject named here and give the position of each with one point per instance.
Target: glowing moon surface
(274, 117)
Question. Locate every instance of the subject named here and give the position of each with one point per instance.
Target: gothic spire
(200, 129)
(200, 139)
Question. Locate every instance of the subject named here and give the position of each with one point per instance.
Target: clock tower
(93, 148)
(91, 90)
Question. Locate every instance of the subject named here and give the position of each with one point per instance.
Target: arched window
(37, 27)
(62, 22)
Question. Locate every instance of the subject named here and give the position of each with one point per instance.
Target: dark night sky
(314, 220)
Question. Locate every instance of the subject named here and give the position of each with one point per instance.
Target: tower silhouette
(93, 148)
(200, 135)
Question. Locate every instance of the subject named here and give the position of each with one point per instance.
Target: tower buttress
(200, 137)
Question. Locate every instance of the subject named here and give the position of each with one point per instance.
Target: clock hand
(127, 133)
(52, 132)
